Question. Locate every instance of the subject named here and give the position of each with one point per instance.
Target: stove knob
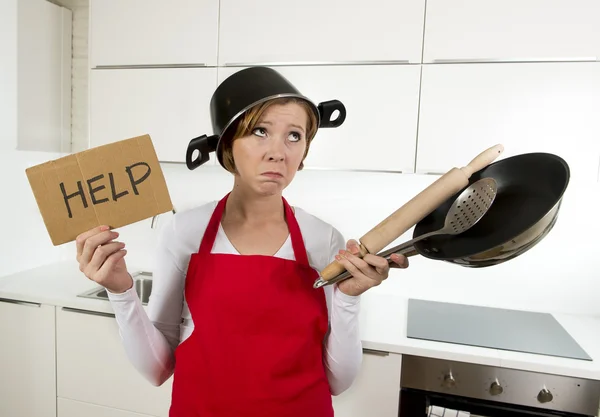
(449, 381)
(544, 396)
(496, 388)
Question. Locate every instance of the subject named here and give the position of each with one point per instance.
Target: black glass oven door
(414, 403)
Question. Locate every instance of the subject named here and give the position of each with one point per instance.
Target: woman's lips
(272, 174)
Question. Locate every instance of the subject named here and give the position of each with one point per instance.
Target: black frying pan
(529, 196)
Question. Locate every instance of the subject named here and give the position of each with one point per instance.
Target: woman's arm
(150, 338)
(343, 346)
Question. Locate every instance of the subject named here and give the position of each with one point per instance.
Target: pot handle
(205, 145)
(327, 108)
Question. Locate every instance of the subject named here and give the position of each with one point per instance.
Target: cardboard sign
(115, 184)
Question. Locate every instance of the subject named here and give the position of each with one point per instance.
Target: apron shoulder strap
(296, 235)
(210, 234)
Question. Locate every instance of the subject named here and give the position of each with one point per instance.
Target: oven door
(430, 384)
(416, 403)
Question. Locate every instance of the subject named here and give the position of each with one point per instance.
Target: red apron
(259, 327)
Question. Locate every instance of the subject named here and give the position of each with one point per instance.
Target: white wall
(44, 76)
(8, 75)
(24, 242)
(559, 274)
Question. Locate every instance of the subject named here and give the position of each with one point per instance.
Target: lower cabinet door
(375, 391)
(92, 366)
(71, 408)
(27, 385)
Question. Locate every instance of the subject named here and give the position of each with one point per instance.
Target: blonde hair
(247, 123)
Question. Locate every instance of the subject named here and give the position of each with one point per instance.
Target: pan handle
(407, 249)
(205, 145)
(327, 108)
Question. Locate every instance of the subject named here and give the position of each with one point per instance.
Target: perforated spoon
(470, 206)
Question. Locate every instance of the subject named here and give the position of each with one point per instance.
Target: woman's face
(267, 160)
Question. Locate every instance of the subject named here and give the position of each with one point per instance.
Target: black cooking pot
(242, 91)
(530, 188)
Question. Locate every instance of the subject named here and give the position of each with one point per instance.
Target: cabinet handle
(151, 66)
(315, 63)
(89, 312)
(20, 302)
(375, 352)
(429, 172)
(513, 60)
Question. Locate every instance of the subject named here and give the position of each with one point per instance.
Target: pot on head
(238, 94)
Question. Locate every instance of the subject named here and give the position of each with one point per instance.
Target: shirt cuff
(128, 295)
(349, 299)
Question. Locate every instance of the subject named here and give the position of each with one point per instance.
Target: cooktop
(495, 328)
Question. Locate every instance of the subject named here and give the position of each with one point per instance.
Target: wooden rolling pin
(416, 209)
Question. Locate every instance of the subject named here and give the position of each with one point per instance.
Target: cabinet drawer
(93, 367)
(376, 390)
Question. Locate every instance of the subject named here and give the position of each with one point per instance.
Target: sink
(142, 282)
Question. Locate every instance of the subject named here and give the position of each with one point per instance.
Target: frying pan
(530, 188)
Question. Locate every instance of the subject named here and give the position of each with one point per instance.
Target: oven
(435, 387)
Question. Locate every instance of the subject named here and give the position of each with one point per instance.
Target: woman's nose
(276, 149)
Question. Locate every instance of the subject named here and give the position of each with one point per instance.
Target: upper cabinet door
(169, 104)
(275, 31)
(153, 32)
(542, 107)
(379, 133)
(512, 30)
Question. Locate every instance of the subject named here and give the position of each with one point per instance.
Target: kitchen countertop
(382, 321)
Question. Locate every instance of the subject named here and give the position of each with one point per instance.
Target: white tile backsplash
(561, 273)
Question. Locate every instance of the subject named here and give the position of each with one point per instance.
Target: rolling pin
(397, 223)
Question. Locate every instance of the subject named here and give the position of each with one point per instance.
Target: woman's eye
(259, 131)
(295, 136)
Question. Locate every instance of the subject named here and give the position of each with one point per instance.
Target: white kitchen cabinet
(153, 32)
(28, 383)
(172, 105)
(70, 408)
(512, 30)
(381, 102)
(376, 390)
(267, 31)
(42, 77)
(92, 367)
(550, 107)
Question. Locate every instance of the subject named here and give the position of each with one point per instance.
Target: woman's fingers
(363, 266)
(399, 261)
(83, 237)
(112, 260)
(380, 264)
(92, 243)
(101, 254)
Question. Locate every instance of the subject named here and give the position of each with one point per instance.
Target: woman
(233, 314)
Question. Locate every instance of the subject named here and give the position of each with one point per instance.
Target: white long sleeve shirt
(150, 338)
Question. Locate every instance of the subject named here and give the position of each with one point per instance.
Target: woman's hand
(367, 272)
(102, 260)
